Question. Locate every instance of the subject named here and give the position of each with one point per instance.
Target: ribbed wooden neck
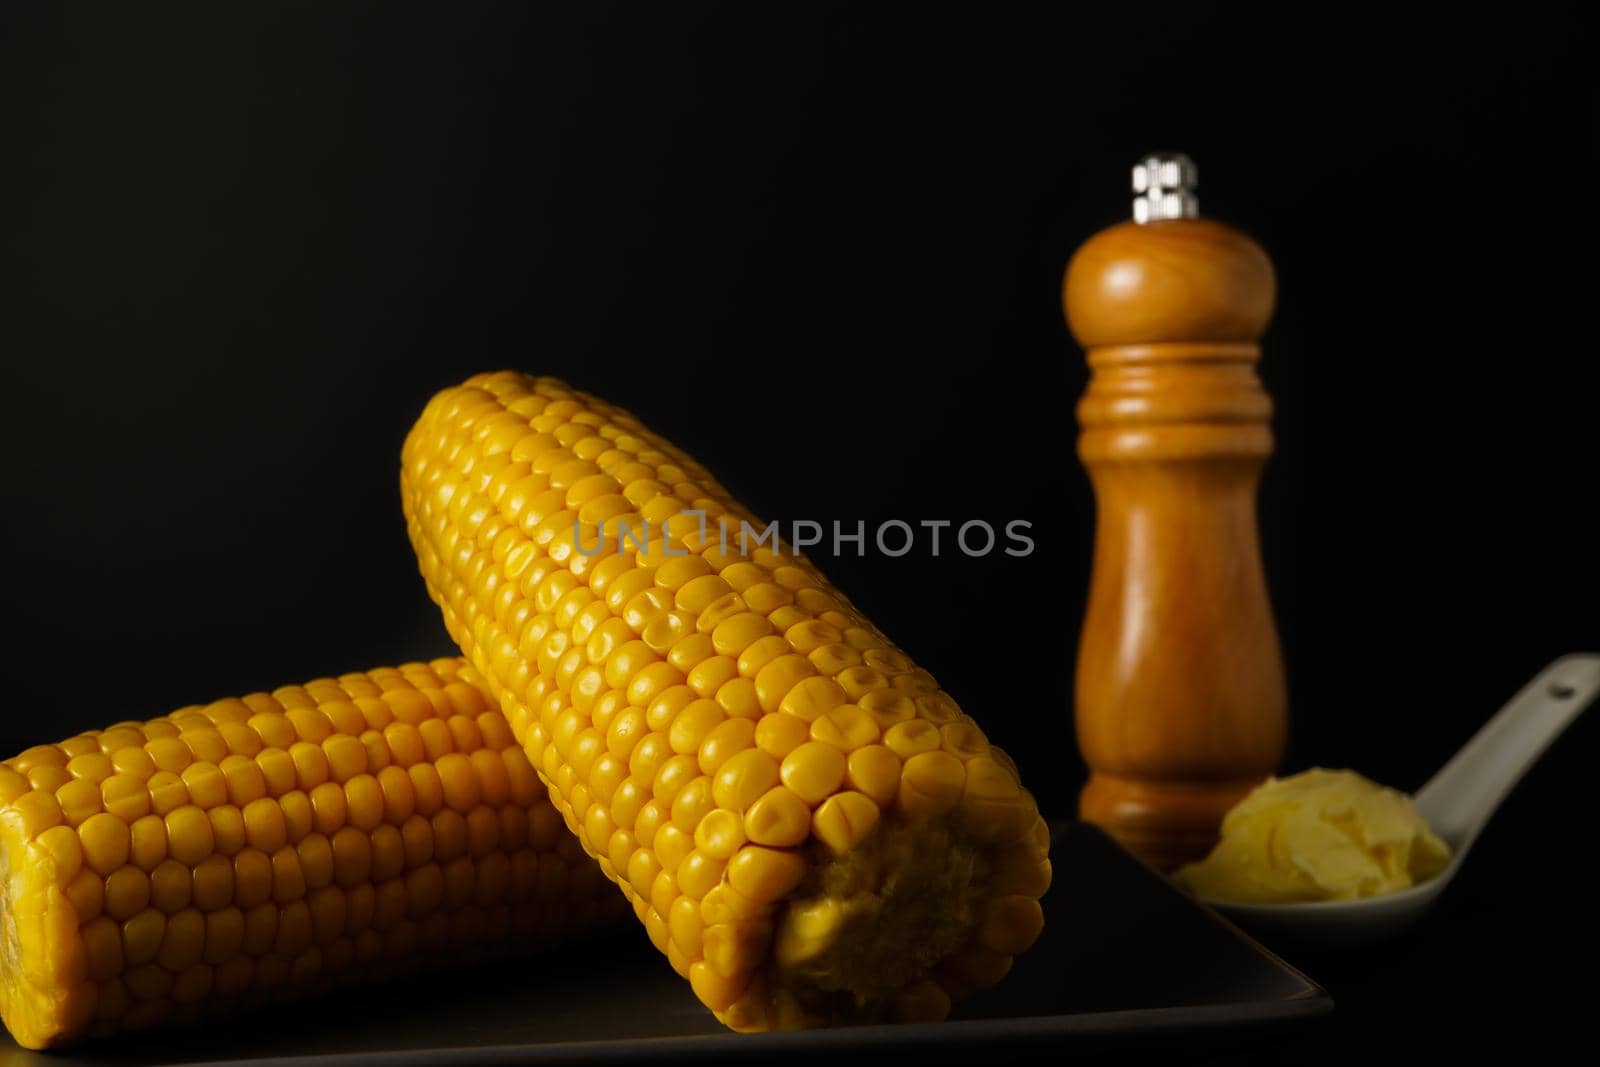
(1176, 401)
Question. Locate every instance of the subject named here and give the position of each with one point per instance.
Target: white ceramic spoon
(1458, 802)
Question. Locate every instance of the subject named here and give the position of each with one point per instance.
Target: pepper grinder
(1181, 707)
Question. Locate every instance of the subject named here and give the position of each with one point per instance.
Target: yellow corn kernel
(141, 940)
(908, 739)
(765, 875)
(812, 697)
(931, 783)
(149, 842)
(767, 598)
(813, 771)
(86, 893)
(60, 847)
(846, 728)
(79, 799)
(187, 861)
(1012, 921)
(875, 771)
(125, 796)
(778, 735)
(844, 820)
(779, 676)
(738, 632)
(720, 834)
(106, 842)
(737, 697)
(724, 741)
(808, 930)
(779, 818)
(127, 891)
(692, 724)
(170, 886)
(755, 658)
(744, 778)
(759, 770)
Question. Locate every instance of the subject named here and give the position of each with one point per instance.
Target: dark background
(820, 248)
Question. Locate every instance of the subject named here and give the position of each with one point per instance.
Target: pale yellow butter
(1318, 835)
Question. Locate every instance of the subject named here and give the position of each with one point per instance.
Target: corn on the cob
(263, 846)
(808, 827)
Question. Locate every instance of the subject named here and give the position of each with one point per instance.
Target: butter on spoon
(1381, 869)
(1318, 835)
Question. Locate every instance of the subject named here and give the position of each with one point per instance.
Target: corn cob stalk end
(41, 961)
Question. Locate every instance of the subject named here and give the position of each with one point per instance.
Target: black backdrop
(819, 247)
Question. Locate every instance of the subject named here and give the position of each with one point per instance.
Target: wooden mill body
(1181, 706)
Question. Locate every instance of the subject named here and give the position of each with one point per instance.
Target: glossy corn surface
(265, 846)
(809, 828)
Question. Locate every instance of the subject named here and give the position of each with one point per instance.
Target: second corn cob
(810, 829)
(266, 845)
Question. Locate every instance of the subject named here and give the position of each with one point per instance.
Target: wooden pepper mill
(1180, 688)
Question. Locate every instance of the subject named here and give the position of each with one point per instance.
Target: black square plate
(1122, 952)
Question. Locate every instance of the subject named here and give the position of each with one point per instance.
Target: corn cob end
(43, 991)
(898, 928)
